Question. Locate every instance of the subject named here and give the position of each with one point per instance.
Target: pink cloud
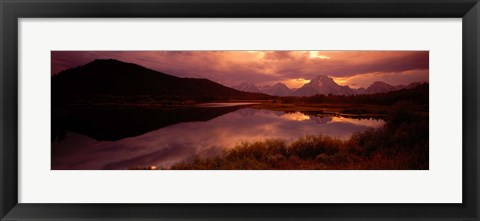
(261, 67)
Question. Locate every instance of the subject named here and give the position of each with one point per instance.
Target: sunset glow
(295, 83)
(366, 122)
(239, 110)
(293, 68)
(297, 116)
(316, 54)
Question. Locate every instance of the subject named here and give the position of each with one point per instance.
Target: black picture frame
(12, 10)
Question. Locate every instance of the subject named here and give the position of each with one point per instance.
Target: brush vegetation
(402, 144)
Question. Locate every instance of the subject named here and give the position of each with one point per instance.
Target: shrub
(401, 144)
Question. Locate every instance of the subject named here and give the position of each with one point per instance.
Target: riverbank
(402, 144)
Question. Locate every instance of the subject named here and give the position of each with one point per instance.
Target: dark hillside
(115, 78)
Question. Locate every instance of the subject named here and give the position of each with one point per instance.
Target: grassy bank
(401, 144)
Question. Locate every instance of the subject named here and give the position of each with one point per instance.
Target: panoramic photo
(239, 110)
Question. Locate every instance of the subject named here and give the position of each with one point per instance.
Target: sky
(293, 68)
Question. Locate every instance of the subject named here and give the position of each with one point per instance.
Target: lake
(158, 139)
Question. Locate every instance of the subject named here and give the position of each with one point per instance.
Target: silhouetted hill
(111, 77)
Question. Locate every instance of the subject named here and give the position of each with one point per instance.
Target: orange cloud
(394, 78)
(294, 68)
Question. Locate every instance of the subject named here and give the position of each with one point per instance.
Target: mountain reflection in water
(181, 141)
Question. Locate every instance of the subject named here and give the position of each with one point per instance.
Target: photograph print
(239, 110)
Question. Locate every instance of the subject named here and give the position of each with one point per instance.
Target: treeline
(417, 95)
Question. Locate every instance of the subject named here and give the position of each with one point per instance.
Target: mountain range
(322, 85)
(109, 77)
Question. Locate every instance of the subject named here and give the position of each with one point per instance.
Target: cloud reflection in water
(182, 141)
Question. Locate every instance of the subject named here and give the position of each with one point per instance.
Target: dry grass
(402, 144)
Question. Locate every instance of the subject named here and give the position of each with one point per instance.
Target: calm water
(181, 141)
